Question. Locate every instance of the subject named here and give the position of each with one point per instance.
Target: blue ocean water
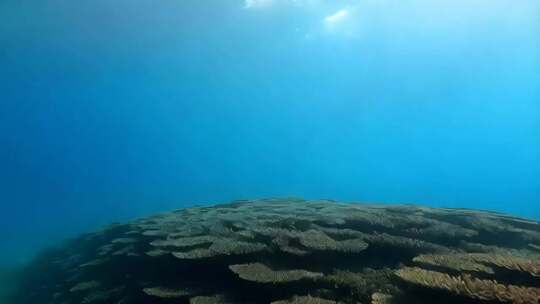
(116, 109)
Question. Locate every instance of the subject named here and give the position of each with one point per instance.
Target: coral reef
(479, 262)
(215, 299)
(166, 293)
(469, 286)
(290, 250)
(381, 298)
(260, 273)
(304, 300)
(85, 286)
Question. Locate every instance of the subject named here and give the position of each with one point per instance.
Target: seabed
(295, 251)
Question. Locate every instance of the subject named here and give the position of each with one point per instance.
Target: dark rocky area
(295, 251)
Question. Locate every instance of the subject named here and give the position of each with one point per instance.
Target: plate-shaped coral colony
(295, 251)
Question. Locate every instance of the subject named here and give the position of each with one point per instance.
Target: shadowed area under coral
(295, 251)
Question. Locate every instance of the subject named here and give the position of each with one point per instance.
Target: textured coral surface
(295, 251)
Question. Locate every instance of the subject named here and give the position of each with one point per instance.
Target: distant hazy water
(8, 281)
(115, 109)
